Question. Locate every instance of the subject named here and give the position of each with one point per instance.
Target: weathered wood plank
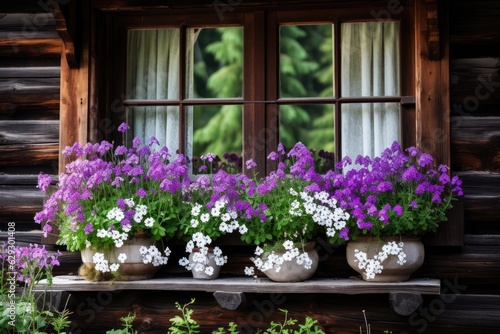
(30, 72)
(29, 154)
(29, 132)
(474, 82)
(475, 143)
(30, 22)
(482, 239)
(12, 45)
(30, 90)
(349, 286)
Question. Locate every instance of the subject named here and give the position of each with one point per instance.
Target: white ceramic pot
(133, 268)
(291, 271)
(209, 261)
(392, 271)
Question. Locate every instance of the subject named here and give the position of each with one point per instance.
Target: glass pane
(313, 126)
(162, 122)
(370, 59)
(369, 128)
(214, 68)
(153, 64)
(218, 130)
(306, 61)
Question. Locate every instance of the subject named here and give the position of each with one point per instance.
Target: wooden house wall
(470, 300)
(30, 58)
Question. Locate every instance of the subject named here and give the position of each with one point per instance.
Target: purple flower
(273, 156)
(123, 127)
(88, 229)
(44, 181)
(398, 209)
(413, 204)
(202, 169)
(210, 157)
(141, 193)
(425, 160)
(250, 164)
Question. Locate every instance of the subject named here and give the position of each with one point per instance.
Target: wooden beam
(433, 43)
(432, 89)
(64, 30)
(74, 96)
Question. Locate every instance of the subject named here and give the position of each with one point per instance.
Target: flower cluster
(274, 259)
(374, 265)
(399, 193)
(290, 203)
(107, 195)
(288, 208)
(202, 258)
(28, 264)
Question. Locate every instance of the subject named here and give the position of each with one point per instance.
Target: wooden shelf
(350, 286)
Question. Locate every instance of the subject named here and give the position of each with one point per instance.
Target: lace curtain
(153, 74)
(370, 67)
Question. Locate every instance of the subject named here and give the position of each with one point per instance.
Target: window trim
(261, 102)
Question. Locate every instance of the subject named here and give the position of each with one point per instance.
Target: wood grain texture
(350, 286)
(29, 132)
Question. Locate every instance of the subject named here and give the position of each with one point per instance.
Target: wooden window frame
(260, 99)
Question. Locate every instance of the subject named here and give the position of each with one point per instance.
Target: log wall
(30, 50)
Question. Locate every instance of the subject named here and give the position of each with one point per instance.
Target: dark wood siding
(30, 50)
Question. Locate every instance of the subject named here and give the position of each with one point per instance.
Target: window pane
(369, 128)
(312, 125)
(306, 61)
(217, 62)
(161, 122)
(217, 130)
(153, 64)
(370, 59)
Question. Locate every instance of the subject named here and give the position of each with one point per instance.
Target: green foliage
(306, 68)
(127, 326)
(184, 324)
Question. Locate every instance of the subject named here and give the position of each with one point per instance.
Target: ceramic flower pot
(131, 266)
(392, 269)
(292, 271)
(204, 265)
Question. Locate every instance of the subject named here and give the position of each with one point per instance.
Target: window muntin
(261, 100)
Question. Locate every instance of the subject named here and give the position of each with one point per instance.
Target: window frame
(260, 99)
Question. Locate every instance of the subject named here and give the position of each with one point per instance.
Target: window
(329, 78)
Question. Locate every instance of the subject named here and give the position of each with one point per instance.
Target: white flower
(205, 217)
(225, 217)
(98, 257)
(87, 243)
(243, 229)
(288, 244)
(196, 209)
(143, 250)
(130, 202)
(217, 251)
(122, 257)
(184, 262)
(149, 222)
(209, 271)
(258, 251)
(114, 267)
(101, 233)
(249, 271)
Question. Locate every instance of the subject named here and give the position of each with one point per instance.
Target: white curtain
(370, 67)
(153, 74)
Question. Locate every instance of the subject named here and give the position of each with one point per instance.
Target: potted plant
(285, 211)
(211, 203)
(115, 205)
(398, 195)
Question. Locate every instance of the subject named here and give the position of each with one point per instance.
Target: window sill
(349, 286)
